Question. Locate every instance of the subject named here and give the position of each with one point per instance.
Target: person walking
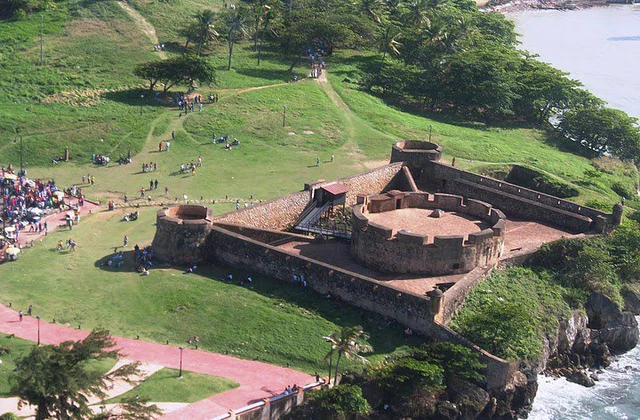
(125, 240)
(173, 134)
(20, 315)
(159, 147)
(30, 310)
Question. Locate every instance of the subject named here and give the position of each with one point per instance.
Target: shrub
(624, 190)
(340, 402)
(409, 375)
(9, 416)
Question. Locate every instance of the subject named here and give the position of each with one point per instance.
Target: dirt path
(143, 25)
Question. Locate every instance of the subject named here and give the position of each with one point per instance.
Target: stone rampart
(281, 213)
(180, 231)
(515, 200)
(415, 153)
(377, 247)
(233, 249)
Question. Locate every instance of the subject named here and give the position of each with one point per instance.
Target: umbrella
(10, 176)
(12, 251)
(59, 194)
(35, 210)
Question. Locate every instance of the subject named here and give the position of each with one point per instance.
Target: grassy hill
(86, 98)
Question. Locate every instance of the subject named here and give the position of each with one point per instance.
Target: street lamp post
(141, 99)
(38, 318)
(284, 114)
(430, 130)
(19, 138)
(180, 374)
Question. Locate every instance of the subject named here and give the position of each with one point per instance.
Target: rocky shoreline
(524, 5)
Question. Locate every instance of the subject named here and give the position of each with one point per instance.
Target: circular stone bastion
(428, 234)
(180, 231)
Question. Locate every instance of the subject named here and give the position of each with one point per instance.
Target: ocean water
(615, 396)
(601, 48)
(598, 46)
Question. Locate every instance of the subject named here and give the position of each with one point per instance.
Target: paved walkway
(257, 380)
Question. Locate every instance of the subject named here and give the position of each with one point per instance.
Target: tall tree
(348, 343)
(234, 21)
(205, 31)
(185, 69)
(57, 379)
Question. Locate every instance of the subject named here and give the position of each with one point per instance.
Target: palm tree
(371, 8)
(417, 13)
(203, 30)
(348, 343)
(235, 20)
(389, 41)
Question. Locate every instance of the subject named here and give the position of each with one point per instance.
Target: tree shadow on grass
(385, 335)
(142, 98)
(268, 74)
(125, 265)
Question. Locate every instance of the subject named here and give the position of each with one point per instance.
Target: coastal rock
(446, 410)
(618, 329)
(470, 399)
(581, 378)
(631, 296)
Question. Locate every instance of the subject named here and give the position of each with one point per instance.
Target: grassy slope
(284, 324)
(268, 321)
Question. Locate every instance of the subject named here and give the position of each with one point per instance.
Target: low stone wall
(238, 251)
(456, 294)
(178, 240)
(515, 200)
(406, 252)
(498, 372)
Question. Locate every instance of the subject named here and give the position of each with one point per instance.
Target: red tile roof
(335, 189)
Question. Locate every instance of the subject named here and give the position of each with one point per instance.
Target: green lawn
(269, 321)
(165, 385)
(18, 348)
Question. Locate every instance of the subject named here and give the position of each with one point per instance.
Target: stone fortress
(408, 240)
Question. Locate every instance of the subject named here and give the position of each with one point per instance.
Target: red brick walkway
(257, 380)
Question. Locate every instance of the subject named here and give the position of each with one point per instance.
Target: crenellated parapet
(407, 251)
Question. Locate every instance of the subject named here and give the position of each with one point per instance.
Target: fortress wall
(443, 176)
(416, 154)
(277, 214)
(523, 207)
(456, 294)
(238, 251)
(377, 247)
(281, 213)
(177, 240)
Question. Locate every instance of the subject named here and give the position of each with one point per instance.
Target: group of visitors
(158, 48)
(100, 159)
(25, 200)
(151, 166)
(299, 280)
(70, 245)
(189, 168)
(167, 145)
(291, 390)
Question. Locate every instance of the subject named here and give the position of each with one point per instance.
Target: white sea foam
(616, 396)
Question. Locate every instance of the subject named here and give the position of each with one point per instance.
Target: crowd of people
(25, 201)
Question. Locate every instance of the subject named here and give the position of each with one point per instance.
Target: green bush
(624, 190)
(408, 375)
(9, 416)
(340, 402)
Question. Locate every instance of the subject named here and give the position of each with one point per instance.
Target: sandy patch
(308, 132)
(291, 133)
